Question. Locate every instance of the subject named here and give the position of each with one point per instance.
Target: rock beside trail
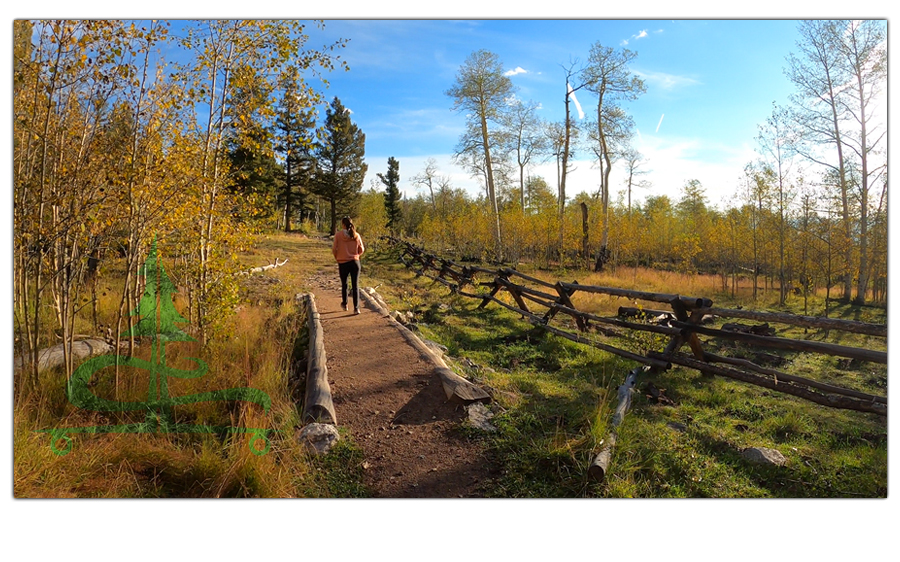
(436, 347)
(405, 318)
(318, 438)
(763, 455)
(480, 417)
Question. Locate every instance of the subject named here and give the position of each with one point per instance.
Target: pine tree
(339, 155)
(392, 195)
(295, 124)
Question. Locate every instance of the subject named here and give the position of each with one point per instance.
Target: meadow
(553, 400)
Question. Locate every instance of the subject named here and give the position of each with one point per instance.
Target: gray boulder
(764, 455)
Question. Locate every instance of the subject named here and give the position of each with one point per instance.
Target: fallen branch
(598, 468)
(262, 268)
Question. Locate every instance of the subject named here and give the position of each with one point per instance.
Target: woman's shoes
(356, 311)
(344, 306)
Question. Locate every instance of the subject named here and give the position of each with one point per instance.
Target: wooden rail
(682, 325)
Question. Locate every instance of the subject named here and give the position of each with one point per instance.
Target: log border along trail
(390, 399)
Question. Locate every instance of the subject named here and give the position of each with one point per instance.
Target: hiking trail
(390, 400)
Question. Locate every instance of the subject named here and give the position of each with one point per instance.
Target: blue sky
(709, 84)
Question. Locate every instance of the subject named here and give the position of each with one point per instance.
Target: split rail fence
(540, 302)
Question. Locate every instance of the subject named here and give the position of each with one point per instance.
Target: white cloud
(665, 81)
(640, 35)
(516, 70)
(673, 161)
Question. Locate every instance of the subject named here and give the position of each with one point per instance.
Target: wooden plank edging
(318, 405)
(456, 388)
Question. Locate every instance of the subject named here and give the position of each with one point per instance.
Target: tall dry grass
(255, 349)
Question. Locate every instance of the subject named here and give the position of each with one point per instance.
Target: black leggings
(350, 268)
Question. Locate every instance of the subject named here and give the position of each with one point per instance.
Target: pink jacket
(345, 248)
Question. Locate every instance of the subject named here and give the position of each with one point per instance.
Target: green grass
(554, 400)
(342, 470)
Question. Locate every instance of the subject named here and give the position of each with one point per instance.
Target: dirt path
(392, 403)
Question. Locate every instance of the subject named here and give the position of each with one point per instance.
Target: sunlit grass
(554, 400)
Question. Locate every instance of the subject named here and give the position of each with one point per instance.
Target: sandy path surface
(392, 403)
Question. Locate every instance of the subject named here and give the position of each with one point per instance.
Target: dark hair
(348, 224)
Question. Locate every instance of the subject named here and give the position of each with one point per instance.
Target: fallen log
(53, 357)
(635, 312)
(379, 303)
(758, 329)
(457, 389)
(318, 405)
(599, 467)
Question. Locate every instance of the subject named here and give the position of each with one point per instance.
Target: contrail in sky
(577, 105)
(660, 122)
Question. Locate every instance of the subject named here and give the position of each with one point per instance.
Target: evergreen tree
(392, 194)
(256, 177)
(340, 165)
(294, 125)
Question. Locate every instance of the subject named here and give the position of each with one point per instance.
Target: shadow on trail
(428, 405)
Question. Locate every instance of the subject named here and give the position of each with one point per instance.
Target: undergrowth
(254, 348)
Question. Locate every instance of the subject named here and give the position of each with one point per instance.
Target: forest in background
(810, 213)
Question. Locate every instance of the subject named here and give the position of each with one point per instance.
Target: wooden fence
(540, 302)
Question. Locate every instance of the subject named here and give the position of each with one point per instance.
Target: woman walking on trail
(347, 248)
